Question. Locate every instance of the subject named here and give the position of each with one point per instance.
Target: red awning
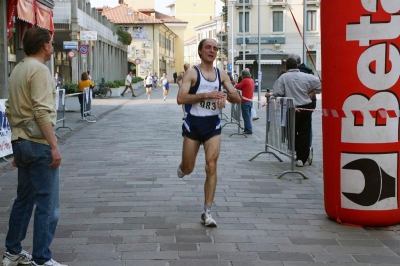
(44, 17)
(26, 10)
(10, 16)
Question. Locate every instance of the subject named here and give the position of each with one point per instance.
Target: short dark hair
(291, 63)
(34, 39)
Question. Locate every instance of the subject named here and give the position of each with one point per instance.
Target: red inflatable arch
(360, 73)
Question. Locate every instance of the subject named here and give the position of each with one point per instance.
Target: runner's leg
(212, 149)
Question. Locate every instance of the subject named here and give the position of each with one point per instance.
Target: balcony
(247, 3)
(277, 3)
(314, 2)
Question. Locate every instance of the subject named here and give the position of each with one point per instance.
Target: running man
(179, 81)
(155, 81)
(148, 83)
(165, 85)
(201, 93)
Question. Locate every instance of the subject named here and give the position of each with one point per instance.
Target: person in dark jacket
(175, 75)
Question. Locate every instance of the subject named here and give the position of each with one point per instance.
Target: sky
(160, 5)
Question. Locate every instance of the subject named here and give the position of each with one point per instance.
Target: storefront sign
(264, 40)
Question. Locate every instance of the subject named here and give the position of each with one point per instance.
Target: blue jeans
(38, 184)
(246, 114)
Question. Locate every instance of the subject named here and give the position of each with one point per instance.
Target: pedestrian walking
(128, 84)
(89, 76)
(31, 111)
(247, 88)
(186, 66)
(155, 81)
(57, 80)
(301, 87)
(165, 85)
(85, 82)
(175, 75)
(148, 83)
(201, 93)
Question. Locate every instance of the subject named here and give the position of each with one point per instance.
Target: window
(311, 20)
(246, 1)
(308, 60)
(214, 33)
(277, 21)
(198, 37)
(246, 21)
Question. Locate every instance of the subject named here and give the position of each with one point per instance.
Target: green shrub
(111, 84)
(70, 87)
(136, 79)
(119, 82)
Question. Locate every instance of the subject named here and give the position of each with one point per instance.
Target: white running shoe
(299, 163)
(23, 258)
(207, 220)
(48, 263)
(179, 172)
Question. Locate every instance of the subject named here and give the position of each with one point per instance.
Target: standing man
(148, 84)
(175, 76)
(303, 68)
(179, 81)
(247, 88)
(201, 93)
(128, 84)
(301, 87)
(32, 101)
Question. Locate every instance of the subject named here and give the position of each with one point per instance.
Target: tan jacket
(32, 95)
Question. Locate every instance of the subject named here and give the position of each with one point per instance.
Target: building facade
(75, 21)
(194, 12)
(16, 16)
(278, 32)
(157, 39)
(278, 29)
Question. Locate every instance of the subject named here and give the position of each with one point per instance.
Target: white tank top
(206, 107)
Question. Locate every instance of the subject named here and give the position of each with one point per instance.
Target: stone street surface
(123, 205)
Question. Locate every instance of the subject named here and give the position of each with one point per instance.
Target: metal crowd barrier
(236, 115)
(87, 105)
(60, 107)
(280, 131)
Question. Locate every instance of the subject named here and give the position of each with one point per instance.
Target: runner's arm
(232, 95)
(189, 79)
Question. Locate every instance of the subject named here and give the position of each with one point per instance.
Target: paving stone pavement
(123, 205)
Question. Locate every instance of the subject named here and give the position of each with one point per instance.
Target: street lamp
(244, 39)
(232, 2)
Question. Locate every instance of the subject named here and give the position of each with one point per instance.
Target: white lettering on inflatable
(366, 31)
(379, 78)
(369, 132)
(389, 6)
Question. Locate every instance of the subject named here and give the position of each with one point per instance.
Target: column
(3, 51)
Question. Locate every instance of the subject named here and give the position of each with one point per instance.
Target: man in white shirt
(128, 84)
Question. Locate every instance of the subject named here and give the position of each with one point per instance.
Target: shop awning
(271, 62)
(10, 16)
(247, 62)
(44, 17)
(26, 10)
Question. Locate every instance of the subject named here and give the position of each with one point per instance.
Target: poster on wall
(146, 66)
(140, 53)
(131, 52)
(5, 131)
(140, 32)
(147, 44)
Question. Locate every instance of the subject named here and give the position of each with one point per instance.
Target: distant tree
(124, 36)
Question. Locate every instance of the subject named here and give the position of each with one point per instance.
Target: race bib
(207, 104)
